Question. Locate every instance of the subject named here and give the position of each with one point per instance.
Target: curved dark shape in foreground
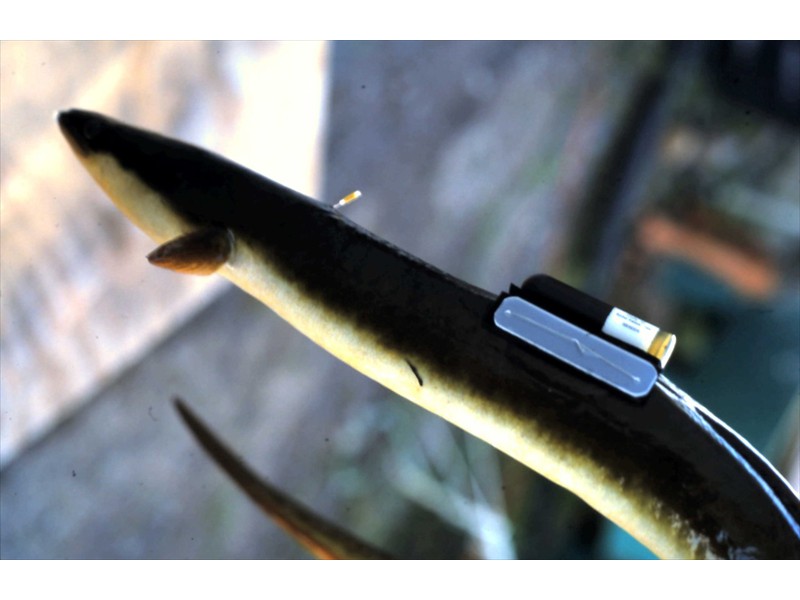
(661, 467)
(320, 537)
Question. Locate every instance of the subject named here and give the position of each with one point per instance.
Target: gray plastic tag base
(586, 352)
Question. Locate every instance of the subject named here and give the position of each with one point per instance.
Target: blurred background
(661, 177)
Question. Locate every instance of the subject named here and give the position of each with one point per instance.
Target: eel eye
(92, 128)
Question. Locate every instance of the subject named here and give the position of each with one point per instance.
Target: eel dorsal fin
(199, 252)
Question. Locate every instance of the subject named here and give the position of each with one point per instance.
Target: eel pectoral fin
(199, 252)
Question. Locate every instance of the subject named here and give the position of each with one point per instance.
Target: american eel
(662, 467)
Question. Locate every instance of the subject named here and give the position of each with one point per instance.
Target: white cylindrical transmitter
(598, 317)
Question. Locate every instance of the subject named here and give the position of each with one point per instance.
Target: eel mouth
(79, 128)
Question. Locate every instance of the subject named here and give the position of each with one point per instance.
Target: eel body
(662, 467)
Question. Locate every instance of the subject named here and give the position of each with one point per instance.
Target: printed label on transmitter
(629, 329)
